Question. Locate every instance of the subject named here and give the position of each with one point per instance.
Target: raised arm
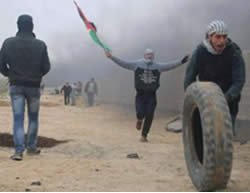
(172, 64)
(122, 63)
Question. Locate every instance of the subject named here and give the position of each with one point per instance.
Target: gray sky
(171, 27)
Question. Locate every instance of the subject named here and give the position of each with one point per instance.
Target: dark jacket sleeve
(239, 75)
(191, 71)
(45, 62)
(4, 69)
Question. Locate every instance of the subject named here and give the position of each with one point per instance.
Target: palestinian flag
(91, 29)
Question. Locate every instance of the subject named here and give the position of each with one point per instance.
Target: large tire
(207, 136)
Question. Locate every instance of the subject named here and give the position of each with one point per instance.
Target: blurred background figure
(67, 91)
(73, 94)
(91, 90)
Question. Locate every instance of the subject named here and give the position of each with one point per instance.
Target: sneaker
(144, 139)
(33, 151)
(138, 124)
(18, 156)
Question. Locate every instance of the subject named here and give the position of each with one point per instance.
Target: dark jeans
(145, 104)
(66, 99)
(91, 97)
(234, 109)
(19, 96)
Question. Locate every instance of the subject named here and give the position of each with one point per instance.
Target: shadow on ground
(6, 140)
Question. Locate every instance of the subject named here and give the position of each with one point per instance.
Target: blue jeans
(19, 96)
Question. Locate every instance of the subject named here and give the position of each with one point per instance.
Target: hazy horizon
(172, 28)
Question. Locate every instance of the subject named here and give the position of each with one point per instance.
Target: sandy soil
(95, 158)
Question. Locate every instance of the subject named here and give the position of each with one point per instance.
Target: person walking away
(24, 60)
(66, 89)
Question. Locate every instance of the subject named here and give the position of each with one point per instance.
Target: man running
(147, 82)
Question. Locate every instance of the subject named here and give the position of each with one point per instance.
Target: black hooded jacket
(24, 60)
(227, 70)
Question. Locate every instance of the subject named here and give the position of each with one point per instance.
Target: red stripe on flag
(84, 18)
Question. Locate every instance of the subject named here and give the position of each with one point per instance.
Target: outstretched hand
(108, 54)
(185, 59)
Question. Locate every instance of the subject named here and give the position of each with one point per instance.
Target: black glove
(229, 98)
(185, 59)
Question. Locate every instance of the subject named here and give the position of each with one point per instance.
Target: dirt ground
(94, 149)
